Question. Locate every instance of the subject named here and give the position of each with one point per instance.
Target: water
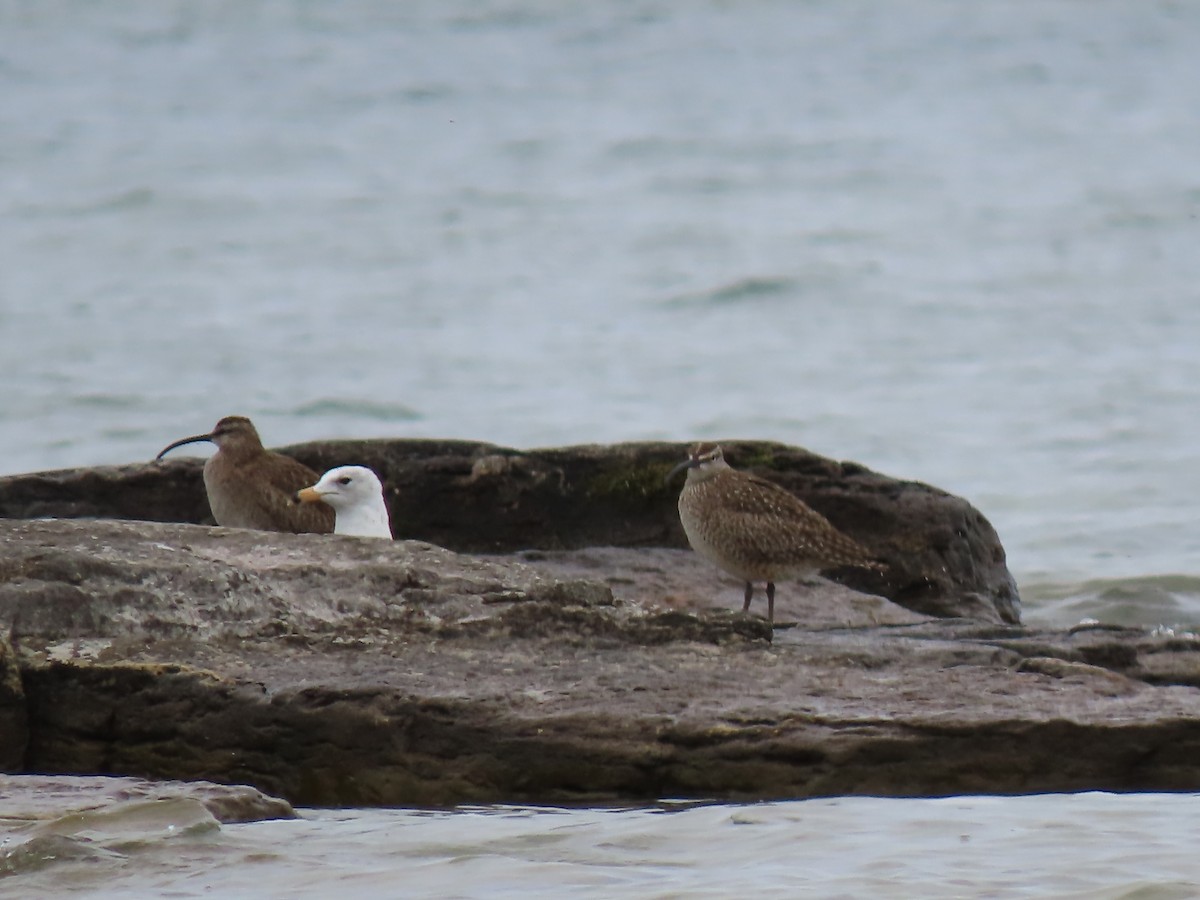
(1092, 846)
(955, 242)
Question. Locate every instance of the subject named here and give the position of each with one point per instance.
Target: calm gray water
(954, 241)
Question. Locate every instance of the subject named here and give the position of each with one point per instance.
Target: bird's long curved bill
(686, 464)
(194, 439)
(308, 495)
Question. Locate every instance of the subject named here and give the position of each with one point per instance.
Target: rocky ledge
(943, 556)
(333, 670)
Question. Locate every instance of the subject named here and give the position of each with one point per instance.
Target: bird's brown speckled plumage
(756, 530)
(249, 486)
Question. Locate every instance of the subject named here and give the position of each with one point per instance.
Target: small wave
(502, 18)
(109, 833)
(642, 148)
(382, 412)
(424, 93)
(107, 401)
(42, 851)
(746, 289)
(122, 201)
(1144, 601)
(133, 198)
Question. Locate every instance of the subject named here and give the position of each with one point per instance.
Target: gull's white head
(356, 495)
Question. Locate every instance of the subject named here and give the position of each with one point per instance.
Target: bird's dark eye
(345, 479)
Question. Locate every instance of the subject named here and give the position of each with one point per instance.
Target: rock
(14, 724)
(681, 579)
(944, 557)
(342, 671)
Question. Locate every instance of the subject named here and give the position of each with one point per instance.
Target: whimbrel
(249, 486)
(754, 529)
(356, 495)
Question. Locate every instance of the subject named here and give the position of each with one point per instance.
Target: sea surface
(957, 242)
(1083, 846)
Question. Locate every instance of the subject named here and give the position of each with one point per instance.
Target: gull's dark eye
(345, 479)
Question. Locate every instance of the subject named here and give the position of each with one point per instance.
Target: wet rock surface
(332, 670)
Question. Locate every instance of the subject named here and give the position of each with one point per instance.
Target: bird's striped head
(704, 460)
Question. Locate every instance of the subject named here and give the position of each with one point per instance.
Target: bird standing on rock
(249, 486)
(356, 495)
(755, 529)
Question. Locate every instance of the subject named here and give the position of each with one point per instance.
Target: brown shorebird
(755, 529)
(249, 486)
(356, 495)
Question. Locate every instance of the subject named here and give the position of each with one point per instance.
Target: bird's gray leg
(749, 594)
(771, 602)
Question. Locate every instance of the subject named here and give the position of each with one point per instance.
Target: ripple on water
(1171, 601)
(332, 407)
(746, 289)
